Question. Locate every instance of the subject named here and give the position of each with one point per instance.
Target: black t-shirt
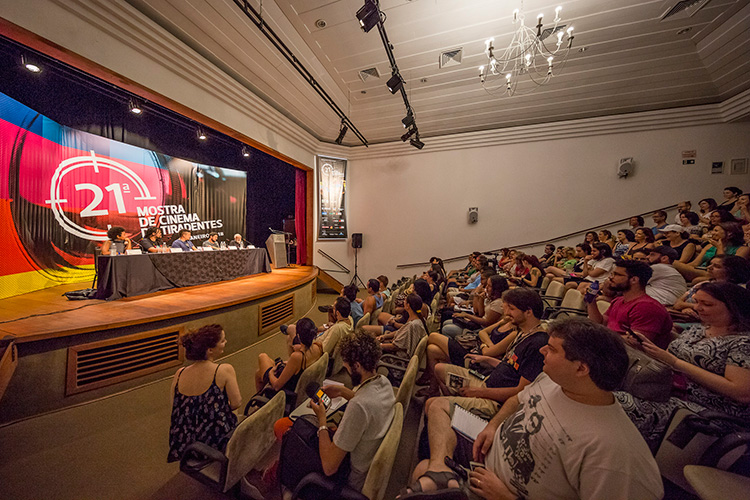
(146, 243)
(521, 360)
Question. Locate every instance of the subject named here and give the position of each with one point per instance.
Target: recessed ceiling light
(30, 65)
(362, 91)
(582, 49)
(321, 23)
(423, 80)
(684, 30)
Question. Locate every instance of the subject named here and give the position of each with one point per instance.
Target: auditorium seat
(250, 443)
(378, 475)
(554, 294)
(405, 390)
(364, 320)
(715, 484)
(572, 305)
(394, 366)
(374, 316)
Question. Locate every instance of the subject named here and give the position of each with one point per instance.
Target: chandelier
(534, 55)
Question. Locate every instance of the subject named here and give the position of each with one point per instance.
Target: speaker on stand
(356, 245)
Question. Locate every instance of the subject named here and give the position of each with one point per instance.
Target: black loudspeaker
(356, 240)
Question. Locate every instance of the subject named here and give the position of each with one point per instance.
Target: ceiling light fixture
(368, 15)
(342, 133)
(30, 65)
(245, 152)
(201, 134)
(408, 120)
(395, 83)
(528, 59)
(408, 134)
(134, 108)
(416, 142)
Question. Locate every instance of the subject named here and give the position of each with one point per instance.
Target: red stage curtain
(300, 215)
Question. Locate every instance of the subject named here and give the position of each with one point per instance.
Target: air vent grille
(684, 9)
(451, 57)
(99, 364)
(275, 313)
(368, 73)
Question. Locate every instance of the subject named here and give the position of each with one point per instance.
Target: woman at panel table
(117, 241)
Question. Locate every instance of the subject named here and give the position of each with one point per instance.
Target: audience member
(683, 206)
(635, 222)
(183, 241)
(666, 284)
(723, 268)
(373, 300)
(644, 239)
(730, 194)
(605, 236)
(151, 241)
(553, 273)
(678, 239)
(625, 241)
(596, 267)
(706, 206)
(591, 238)
(564, 436)
(634, 309)
(350, 292)
(491, 312)
(302, 352)
(718, 216)
(392, 322)
(384, 292)
(532, 269)
(660, 219)
(404, 341)
(212, 242)
(743, 208)
(714, 356)
(117, 242)
(726, 238)
(549, 255)
(690, 223)
(515, 361)
(203, 394)
(368, 413)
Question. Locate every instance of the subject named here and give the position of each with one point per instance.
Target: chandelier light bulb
(528, 59)
(570, 30)
(507, 77)
(515, 16)
(549, 60)
(557, 13)
(540, 16)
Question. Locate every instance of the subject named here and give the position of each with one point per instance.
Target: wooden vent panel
(99, 364)
(275, 313)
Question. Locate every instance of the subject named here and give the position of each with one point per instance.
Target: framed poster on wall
(331, 198)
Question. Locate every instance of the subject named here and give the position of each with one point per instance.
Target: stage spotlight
(368, 15)
(201, 134)
(408, 134)
(342, 133)
(245, 152)
(417, 143)
(395, 83)
(408, 120)
(30, 64)
(134, 108)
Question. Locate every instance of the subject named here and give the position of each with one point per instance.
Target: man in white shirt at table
(183, 241)
(564, 436)
(212, 242)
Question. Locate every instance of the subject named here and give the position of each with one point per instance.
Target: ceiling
(633, 61)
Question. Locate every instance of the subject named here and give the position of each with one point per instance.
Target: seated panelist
(117, 241)
(212, 242)
(237, 241)
(151, 240)
(183, 241)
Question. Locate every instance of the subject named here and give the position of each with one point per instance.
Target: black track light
(417, 143)
(245, 152)
(408, 120)
(134, 108)
(201, 134)
(368, 15)
(395, 83)
(408, 134)
(342, 133)
(30, 64)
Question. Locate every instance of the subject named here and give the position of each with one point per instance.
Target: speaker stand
(356, 277)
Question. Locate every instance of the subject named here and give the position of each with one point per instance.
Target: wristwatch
(322, 428)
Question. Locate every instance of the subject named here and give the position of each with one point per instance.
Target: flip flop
(441, 480)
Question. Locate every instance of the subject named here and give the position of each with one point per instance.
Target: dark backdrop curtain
(300, 215)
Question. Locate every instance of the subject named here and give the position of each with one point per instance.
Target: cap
(666, 250)
(672, 227)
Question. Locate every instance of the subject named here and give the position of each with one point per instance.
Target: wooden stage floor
(47, 314)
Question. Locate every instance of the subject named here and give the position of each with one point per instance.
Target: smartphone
(458, 469)
(632, 334)
(478, 375)
(322, 396)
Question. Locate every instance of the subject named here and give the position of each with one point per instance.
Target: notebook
(466, 423)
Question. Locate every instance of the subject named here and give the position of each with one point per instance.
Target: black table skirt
(130, 275)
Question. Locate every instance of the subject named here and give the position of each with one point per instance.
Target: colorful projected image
(63, 189)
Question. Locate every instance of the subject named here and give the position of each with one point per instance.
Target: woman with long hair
(714, 356)
(723, 268)
(725, 239)
(486, 315)
(705, 207)
(404, 341)
(730, 193)
(203, 393)
(591, 238)
(644, 240)
(605, 236)
(625, 241)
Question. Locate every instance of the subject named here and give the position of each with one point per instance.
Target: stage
(74, 351)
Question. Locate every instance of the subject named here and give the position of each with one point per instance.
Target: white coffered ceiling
(633, 61)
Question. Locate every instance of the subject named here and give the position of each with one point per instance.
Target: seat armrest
(257, 400)
(722, 446)
(203, 453)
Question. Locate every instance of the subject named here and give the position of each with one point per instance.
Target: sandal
(440, 479)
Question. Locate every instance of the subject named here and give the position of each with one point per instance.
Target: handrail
(550, 240)
(344, 269)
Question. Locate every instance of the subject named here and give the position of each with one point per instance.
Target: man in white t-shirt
(562, 437)
(368, 413)
(666, 284)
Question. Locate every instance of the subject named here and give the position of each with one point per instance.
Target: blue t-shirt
(475, 283)
(186, 246)
(357, 312)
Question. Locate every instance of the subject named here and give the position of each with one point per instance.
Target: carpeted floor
(115, 448)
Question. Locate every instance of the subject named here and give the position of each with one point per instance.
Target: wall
(413, 206)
